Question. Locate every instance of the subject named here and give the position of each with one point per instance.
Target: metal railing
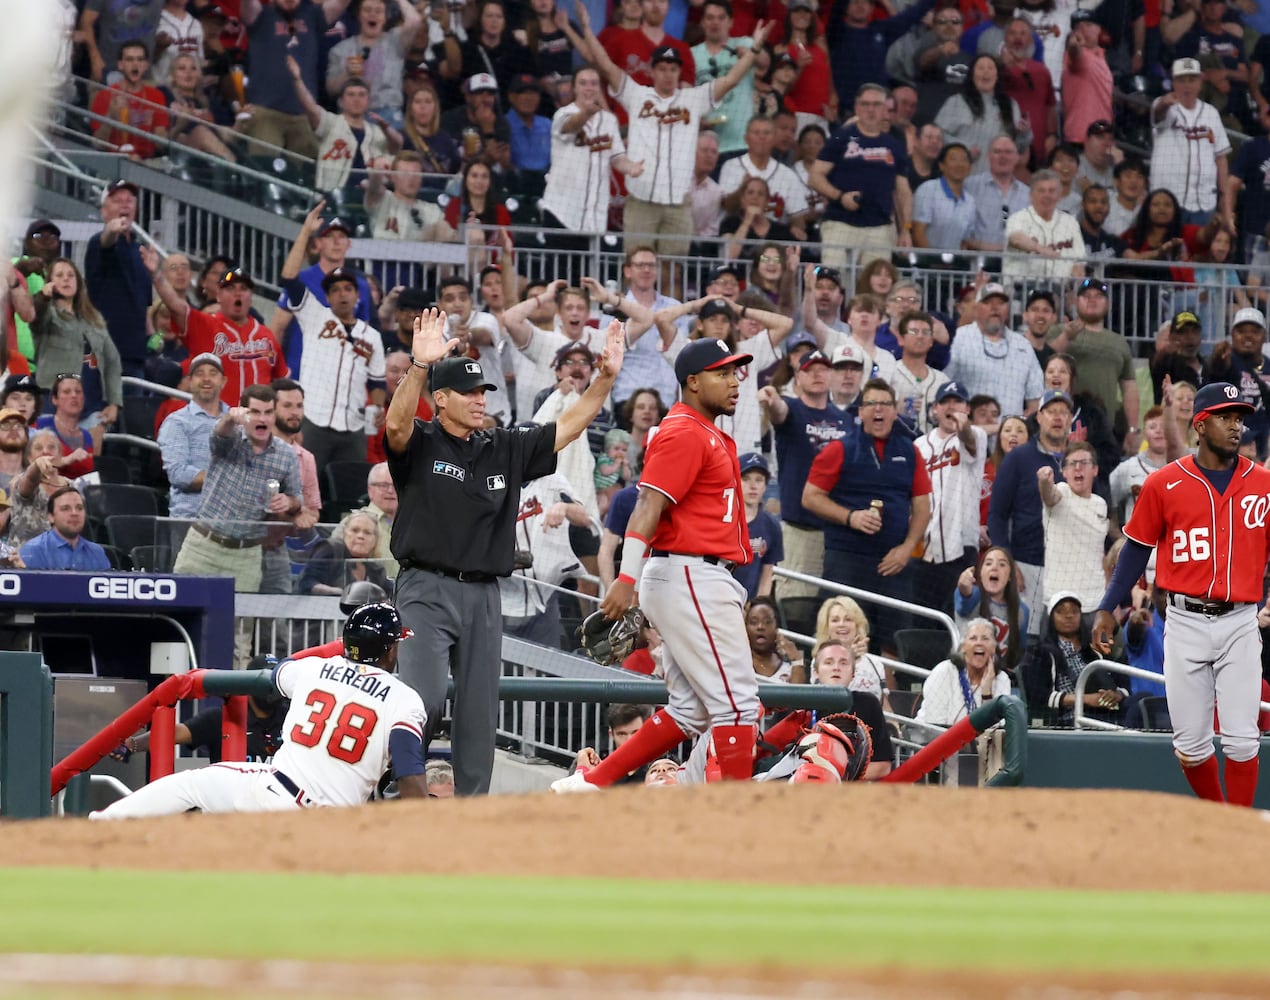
(1078, 710)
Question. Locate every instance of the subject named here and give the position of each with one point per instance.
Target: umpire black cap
(459, 374)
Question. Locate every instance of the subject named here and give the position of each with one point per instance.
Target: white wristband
(634, 551)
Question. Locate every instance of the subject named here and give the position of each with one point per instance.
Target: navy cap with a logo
(706, 355)
(752, 460)
(952, 390)
(1219, 397)
(459, 374)
(336, 275)
(667, 53)
(1056, 396)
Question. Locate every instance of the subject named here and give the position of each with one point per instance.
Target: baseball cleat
(573, 783)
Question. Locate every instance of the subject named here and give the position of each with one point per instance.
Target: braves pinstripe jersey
(337, 731)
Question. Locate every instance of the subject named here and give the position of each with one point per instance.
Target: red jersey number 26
(353, 727)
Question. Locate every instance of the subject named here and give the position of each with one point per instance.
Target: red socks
(656, 738)
(1241, 781)
(734, 751)
(1204, 781)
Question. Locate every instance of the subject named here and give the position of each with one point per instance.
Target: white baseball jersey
(1053, 27)
(532, 364)
(789, 193)
(490, 356)
(1126, 483)
(663, 134)
(579, 183)
(915, 396)
(186, 32)
(553, 556)
(1075, 530)
(336, 733)
(337, 145)
(1184, 154)
(955, 478)
(396, 219)
(1061, 233)
(338, 362)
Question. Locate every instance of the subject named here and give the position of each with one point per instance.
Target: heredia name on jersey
(355, 678)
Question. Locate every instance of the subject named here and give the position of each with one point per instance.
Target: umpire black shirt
(458, 499)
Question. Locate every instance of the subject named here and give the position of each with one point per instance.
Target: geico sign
(120, 588)
(10, 584)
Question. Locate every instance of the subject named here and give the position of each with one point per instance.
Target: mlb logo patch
(496, 483)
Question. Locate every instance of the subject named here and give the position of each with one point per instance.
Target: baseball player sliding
(689, 524)
(1206, 517)
(349, 717)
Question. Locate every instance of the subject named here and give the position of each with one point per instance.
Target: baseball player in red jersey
(248, 350)
(1206, 517)
(689, 524)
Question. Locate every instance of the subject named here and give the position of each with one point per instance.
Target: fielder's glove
(837, 748)
(609, 642)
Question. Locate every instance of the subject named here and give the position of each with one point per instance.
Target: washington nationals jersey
(248, 351)
(694, 465)
(342, 714)
(1208, 545)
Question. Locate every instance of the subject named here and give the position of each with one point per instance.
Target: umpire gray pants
(458, 631)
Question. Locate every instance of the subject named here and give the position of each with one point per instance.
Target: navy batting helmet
(371, 631)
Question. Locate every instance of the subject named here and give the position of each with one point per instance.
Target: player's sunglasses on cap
(1092, 285)
(1219, 397)
(459, 374)
(706, 355)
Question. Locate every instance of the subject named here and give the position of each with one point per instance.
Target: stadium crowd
(975, 455)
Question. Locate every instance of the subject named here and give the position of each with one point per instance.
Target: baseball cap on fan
(667, 53)
(752, 460)
(459, 374)
(990, 289)
(1249, 315)
(1080, 14)
(952, 390)
(480, 82)
(1219, 397)
(119, 185)
(1186, 67)
(338, 274)
(1058, 597)
(704, 356)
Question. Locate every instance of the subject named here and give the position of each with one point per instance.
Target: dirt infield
(889, 835)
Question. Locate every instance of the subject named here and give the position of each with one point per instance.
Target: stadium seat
(923, 647)
(105, 500)
(131, 531)
(113, 470)
(345, 482)
(798, 614)
(1155, 713)
(138, 413)
(151, 558)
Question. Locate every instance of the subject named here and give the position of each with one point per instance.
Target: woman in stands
(334, 565)
(478, 205)
(746, 221)
(30, 492)
(964, 681)
(842, 619)
(491, 48)
(73, 344)
(1161, 235)
(1090, 421)
(878, 278)
(641, 413)
(193, 123)
(776, 659)
(991, 593)
(423, 134)
(1012, 433)
(773, 275)
(812, 94)
(981, 111)
(548, 44)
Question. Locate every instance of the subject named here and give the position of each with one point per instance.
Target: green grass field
(353, 917)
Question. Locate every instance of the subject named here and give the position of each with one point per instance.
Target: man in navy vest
(873, 491)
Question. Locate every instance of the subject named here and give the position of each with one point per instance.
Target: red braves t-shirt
(1207, 545)
(694, 464)
(248, 351)
(632, 51)
(146, 111)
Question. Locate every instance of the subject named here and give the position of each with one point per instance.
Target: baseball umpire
(690, 521)
(1206, 517)
(454, 534)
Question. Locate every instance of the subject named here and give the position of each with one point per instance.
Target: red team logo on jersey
(671, 116)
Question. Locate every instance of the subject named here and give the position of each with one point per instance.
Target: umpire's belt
(462, 575)
(301, 796)
(1209, 608)
(712, 560)
(225, 540)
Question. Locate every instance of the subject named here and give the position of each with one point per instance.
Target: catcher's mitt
(607, 641)
(837, 748)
